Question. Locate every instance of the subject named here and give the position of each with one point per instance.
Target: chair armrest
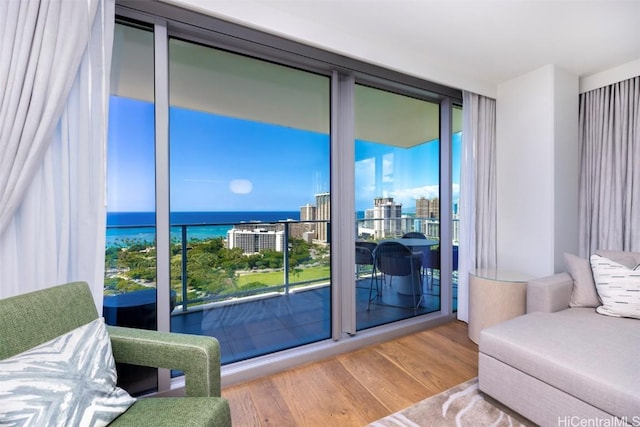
(197, 356)
(549, 294)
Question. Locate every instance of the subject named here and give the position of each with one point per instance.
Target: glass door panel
(397, 188)
(130, 255)
(456, 160)
(250, 202)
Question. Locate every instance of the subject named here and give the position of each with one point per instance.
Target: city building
(323, 214)
(256, 239)
(308, 212)
(427, 219)
(386, 217)
(428, 208)
(305, 230)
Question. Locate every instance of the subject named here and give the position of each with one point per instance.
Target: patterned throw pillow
(68, 381)
(618, 287)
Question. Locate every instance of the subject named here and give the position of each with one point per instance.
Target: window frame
(172, 21)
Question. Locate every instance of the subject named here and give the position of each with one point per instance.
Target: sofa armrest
(197, 356)
(549, 294)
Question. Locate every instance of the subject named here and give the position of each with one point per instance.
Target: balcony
(275, 301)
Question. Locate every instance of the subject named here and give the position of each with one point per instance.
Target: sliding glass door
(130, 294)
(397, 194)
(250, 202)
(251, 188)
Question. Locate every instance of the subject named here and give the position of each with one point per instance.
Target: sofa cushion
(618, 287)
(591, 357)
(70, 380)
(176, 411)
(627, 258)
(584, 289)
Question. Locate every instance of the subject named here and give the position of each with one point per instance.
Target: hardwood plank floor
(359, 387)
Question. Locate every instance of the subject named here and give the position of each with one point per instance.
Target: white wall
(263, 16)
(537, 140)
(524, 132)
(566, 164)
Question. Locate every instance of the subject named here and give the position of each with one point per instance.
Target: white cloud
(365, 178)
(365, 168)
(427, 191)
(241, 186)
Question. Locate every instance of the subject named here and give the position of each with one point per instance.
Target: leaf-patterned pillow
(68, 381)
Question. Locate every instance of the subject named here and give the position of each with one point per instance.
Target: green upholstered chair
(34, 318)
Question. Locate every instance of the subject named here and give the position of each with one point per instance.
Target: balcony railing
(285, 237)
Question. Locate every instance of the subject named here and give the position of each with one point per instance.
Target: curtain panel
(609, 188)
(54, 85)
(478, 187)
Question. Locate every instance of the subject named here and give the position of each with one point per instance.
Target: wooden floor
(360, 387)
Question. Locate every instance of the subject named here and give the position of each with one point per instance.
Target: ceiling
(487, 41)
(219, 82)
(498, 39)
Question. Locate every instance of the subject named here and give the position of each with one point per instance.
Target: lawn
(274, 278)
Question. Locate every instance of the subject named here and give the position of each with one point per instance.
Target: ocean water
(131, 226)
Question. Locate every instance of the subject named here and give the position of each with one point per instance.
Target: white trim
(163, 237)
(342, 206)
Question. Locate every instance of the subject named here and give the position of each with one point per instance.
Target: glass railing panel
(225, 291)
(205, 270)
(211, 281)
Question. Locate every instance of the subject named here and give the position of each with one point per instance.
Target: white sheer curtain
(54, 76)
(477, 193)
(609, 192)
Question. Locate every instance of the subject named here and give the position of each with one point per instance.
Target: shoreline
(117, 236)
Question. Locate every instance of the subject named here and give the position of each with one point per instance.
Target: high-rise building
(455, 227)
(387, 217)
(308, 212)
(305, 230)
(434, 208)
(431, 229)
(422, 207)
(428, 208)
(323, 214)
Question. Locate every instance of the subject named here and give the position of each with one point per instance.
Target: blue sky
(219, 163)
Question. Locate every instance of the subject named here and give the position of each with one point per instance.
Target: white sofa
(560, 365)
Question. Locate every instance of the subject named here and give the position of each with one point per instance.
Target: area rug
(463, 405)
